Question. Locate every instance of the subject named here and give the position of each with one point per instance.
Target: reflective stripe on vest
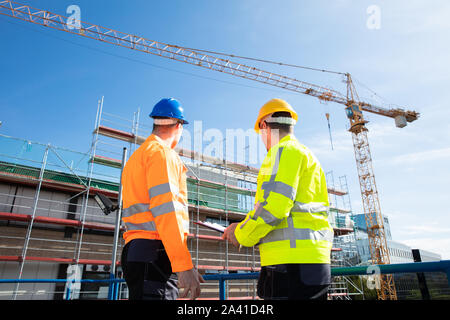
(272, 185)
(164, 208)
(147, 226)
(167, 207)
(278, 187)
(292, 234)
(312, 207)
(264, 214)
(162, 189)
(135, 208)
(269, 218)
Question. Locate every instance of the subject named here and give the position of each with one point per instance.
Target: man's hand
(229, 234)
(190, 280)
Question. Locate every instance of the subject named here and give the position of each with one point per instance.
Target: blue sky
(51, 82)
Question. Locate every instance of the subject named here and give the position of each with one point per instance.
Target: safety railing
(417, 267)
(113, 292)
(222, 277)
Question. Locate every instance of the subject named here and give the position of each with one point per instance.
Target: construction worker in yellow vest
(290, 219)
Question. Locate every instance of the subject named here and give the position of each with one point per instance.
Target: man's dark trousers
(294, 282)
(147, 271)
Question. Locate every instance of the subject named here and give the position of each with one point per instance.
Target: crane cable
(260, 60)
(327, 115)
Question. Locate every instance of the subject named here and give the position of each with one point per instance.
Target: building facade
(398, 252)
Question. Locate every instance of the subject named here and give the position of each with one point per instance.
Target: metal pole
(197, 230)
(30, 225)
(227, 248)
(117, 231)
(68, 291)
(197, 227)
(421, 277)
(136, 128)
(222, 289)
(89, 176)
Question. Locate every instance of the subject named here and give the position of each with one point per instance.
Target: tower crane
(354, 107)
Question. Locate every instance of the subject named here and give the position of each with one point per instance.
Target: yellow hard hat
(274, 105)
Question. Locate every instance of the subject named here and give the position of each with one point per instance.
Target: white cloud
(423, 156)
(440, 246)
(421, 233)
(420, 16)
(386, 134)
(424, 229)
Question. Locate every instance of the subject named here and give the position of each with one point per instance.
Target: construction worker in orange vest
(155, 259)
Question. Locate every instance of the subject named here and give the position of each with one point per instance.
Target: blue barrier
(222, 277)
(415, 267)
(435, 266)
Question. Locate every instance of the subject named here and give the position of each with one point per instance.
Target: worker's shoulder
(296, 147)
(156, 149)
(153, 148)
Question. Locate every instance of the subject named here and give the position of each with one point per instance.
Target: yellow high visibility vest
(290, 218)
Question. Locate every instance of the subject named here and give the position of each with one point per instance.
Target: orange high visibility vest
(155, 205)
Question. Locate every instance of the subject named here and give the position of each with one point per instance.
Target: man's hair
(159, 127)
(282, 127)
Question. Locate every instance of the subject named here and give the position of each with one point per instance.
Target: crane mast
(374, 220)
(353, 106)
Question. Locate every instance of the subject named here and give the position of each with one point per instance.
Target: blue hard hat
(169, 107)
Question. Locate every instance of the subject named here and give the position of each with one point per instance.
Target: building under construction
(52, 228)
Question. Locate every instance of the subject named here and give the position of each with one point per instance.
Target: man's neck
(167, 139)
(275, 139)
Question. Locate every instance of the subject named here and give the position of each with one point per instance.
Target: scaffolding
(342, 219)
(52, 227)
(48, 216)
